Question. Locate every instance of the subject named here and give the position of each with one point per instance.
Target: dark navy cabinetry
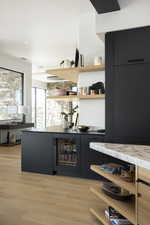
(60, 153)
(90, 156)
(130, 46)
(37, 152)
(127, 86)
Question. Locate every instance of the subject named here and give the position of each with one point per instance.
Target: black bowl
(83, 128)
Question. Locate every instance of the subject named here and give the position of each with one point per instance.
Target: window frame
(35, 103)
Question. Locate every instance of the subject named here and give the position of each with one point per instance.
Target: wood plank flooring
(35, 199)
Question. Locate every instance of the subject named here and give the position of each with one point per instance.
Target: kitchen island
(136, 210)
(58, 151)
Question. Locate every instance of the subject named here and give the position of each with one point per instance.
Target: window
(39, 107)
(54, 110)
(11, 94)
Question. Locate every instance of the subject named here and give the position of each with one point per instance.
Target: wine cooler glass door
(67, 152)
(68, 155)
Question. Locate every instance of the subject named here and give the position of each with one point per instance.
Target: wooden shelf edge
(131, 187)
(100, 96)
(63, 97)
(67, 97)
(91, 68)
(78, 69)
(100, 215)
(72, 73)
(127, 209)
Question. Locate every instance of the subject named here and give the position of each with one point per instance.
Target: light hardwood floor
(35, 199)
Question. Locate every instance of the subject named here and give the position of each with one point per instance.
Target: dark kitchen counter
(63, 131)
(46, 151)
(16, 126)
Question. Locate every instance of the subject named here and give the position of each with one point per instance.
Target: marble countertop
(138, 155)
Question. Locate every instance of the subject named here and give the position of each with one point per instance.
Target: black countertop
(63, 131)
(16, 126)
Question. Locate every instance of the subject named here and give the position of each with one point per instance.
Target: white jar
(98, 60)
(67, 63)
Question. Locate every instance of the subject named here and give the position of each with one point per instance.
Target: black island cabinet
(90, 156)
(64, 153)
(37, 153)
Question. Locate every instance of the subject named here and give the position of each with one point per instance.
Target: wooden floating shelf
(76, 97)
(131, 187)
(67, 97)
(91, 68)
(99, 213)
(72, 74)
(101, 96)
(127, 209)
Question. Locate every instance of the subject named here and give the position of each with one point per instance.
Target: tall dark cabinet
(128, 86)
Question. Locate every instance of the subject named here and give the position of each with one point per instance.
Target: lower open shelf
(131, 187)
(99, 213)
(127, 209)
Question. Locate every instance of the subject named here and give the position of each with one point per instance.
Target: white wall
(89, 43)
(92, 112)
(39, 84)
(22, 66)
(133, 13)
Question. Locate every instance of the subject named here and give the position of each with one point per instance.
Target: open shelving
(99, 214)
(64, 98)
(72, 73)
(76, 97)
(131, 187)
(91, 68)
(126, 208)
(100, 96)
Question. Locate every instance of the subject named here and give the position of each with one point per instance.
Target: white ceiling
(43, 31)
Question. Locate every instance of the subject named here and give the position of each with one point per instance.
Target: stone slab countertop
(138, 155)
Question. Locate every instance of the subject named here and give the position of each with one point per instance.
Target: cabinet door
(143, 204)
(37, 153)
(89, 156)
(130, 111)
(131, 46)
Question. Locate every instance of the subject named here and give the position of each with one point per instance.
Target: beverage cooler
(67, 154)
